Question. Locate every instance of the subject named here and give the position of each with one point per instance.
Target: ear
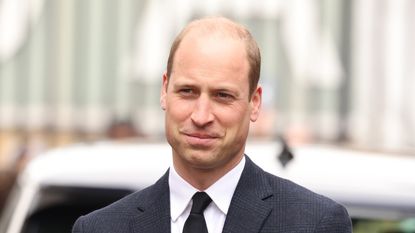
(163, 91)
(256, 100)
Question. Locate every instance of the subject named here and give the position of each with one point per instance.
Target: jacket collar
(249, 208)
(153, 208)
(247, 212)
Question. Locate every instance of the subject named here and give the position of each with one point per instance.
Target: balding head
(223, 27)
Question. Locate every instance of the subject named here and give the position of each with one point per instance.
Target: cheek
(178, 110)
(235, 118)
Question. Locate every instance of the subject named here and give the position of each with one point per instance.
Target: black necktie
(196, 223)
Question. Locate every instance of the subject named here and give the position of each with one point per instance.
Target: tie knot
(200, 201)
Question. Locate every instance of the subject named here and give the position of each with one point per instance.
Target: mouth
(200, 139)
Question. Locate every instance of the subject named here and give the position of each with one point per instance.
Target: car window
(59, 207)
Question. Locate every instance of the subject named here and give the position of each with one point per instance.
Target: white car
(62, 184)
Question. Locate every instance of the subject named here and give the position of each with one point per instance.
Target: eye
(186, 92)
(224, 96)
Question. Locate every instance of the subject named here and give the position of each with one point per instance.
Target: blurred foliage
(383, 226)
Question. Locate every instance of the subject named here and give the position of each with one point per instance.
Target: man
(210, 94)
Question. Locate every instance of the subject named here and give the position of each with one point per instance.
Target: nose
(202, 112)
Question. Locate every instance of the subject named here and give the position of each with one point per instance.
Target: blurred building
(337, 71)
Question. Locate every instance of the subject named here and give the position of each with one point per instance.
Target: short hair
(228, 28)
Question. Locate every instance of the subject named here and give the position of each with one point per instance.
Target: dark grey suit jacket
(261, 203)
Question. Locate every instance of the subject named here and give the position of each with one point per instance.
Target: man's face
(207, 103)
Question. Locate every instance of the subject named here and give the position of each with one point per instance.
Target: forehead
(215, 52)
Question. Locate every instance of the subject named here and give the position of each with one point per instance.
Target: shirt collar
(181, 193)
(220, 192)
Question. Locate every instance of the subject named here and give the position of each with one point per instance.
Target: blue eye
(224, 96)
(186, 91)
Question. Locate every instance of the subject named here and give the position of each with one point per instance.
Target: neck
(203, 178)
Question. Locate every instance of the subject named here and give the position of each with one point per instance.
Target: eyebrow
(221, 87)
(228, 90)
(184, 84)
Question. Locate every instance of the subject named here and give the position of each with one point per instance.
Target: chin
(201, 159)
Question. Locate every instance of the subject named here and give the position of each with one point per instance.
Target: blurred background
(333, 71)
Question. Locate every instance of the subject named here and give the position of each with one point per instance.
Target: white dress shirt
(220, 192)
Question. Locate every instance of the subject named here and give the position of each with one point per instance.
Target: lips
(197, 139)
(201, 136)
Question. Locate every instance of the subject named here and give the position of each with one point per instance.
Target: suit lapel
(247, 212)
(153, 209)
(248, 209)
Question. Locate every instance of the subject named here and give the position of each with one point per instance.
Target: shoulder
(285, 190)
(290, 192)
(317, 211)
(112, 218)
(295, 205)
(117, 216)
